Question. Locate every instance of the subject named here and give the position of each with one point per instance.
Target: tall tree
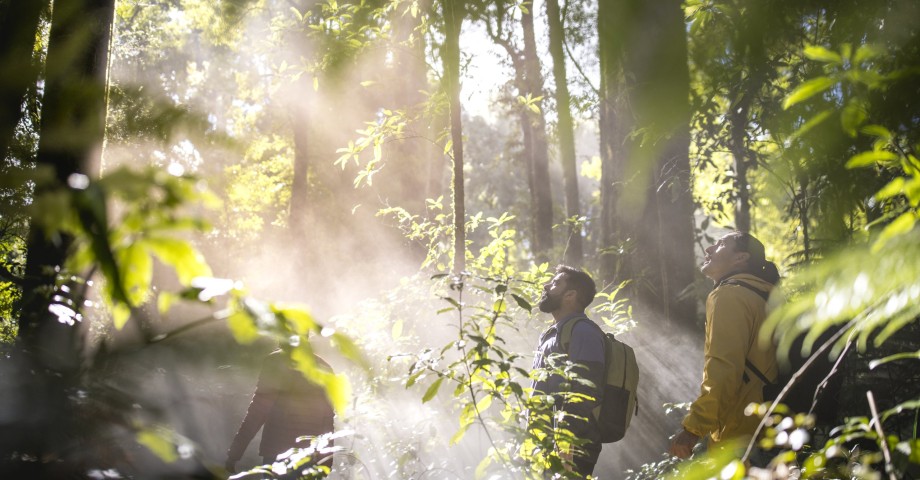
(453, 13)
(71, 133)
(528, 80)
(654, 206)
(574, 250)
(539, 160)
(19, 26)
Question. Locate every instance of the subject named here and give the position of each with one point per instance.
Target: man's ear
(741, 257)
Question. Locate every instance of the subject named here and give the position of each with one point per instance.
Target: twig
(794, 379)
(881, 435)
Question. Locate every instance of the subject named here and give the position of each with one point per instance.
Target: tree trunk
(71, 135)
(300, 123)
(543, 199)
(737, 119)
(19, 21)
(654, 205)
(574, 250)
(453, 22)
(615, 123)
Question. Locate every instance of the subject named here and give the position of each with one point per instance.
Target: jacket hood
(750, 279)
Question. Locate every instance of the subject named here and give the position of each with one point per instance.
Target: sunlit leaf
(181, 256)
(867, 52)
(121, 312)
(349, 349)
(893, 188)
(821, 54)
(866, 159)
(901, 225)
(159, 445)
(243, 327)
(894, 358)
(522, 303)
(813, 122)
(432, 390)
(807, 90)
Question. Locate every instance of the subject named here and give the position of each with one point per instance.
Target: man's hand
(683, 443)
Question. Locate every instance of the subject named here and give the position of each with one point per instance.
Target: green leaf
(483, 467)
(522, 303)
(866, 159)
(137, 271)
(432, 390)
(867, 52)
(893, 188)
(877, 131)
(299, 318)
(901, 225)
(812, 123)
(894, 358)
(852, 116)
(338, 391)
(158, 444)
(349, 349)
(180, 255)
(121, 312)
(455, 439)
(821, 54)
(165, 301)
(807, 90)
(243, 327)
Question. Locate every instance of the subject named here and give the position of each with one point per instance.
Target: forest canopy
(188, 185)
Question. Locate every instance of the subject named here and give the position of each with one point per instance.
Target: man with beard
(565, 297)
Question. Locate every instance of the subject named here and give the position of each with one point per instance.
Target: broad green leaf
(893, 188)
(522, 303)
(121, 312)
(893, 358)
(338, 391)
(807, 90)
(137, 271)
(483, 467)
(813, 122)
(396, 330)
(243, 327)
(866, 159)
(158, 445)
(484, 403)
(299, 318)
(165, 301)
(180, 255)
(432, 390)
(867, 52)
(901, 225)
(821, 54)
(877, 131)
(852, 116)
(455, 439)
(344, 344)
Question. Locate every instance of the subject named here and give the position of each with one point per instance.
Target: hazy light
(78, 181)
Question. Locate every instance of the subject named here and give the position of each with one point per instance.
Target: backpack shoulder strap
(765, 296)
(762, 294)
(565, 335)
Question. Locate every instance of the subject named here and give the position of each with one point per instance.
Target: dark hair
(757, 263)
(579, 281)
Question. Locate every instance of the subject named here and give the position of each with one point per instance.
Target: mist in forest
(353, 269)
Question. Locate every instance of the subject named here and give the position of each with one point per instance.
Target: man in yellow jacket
(735, 311)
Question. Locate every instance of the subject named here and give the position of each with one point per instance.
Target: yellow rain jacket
(734, 315)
